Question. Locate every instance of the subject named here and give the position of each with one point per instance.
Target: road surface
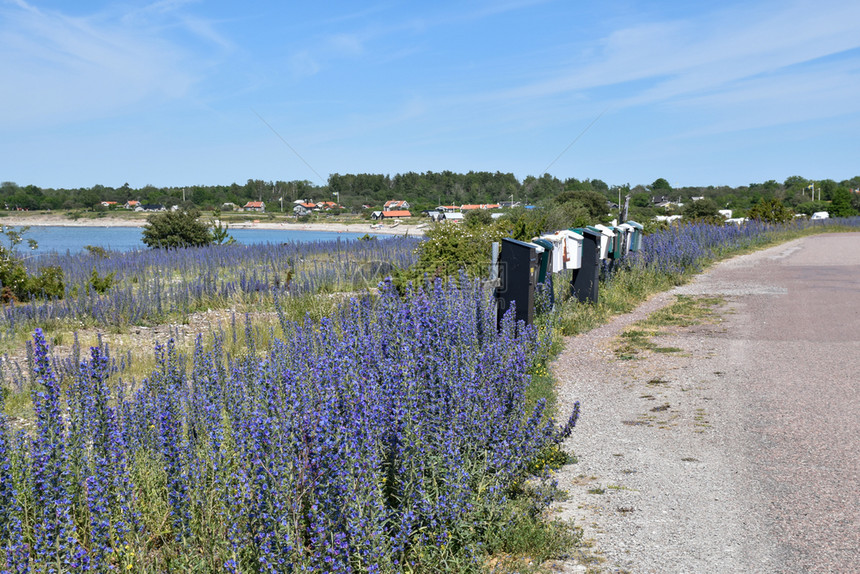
(741, 453)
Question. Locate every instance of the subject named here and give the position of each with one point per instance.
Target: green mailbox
(545, 258)
(636, 239)
(618, 244)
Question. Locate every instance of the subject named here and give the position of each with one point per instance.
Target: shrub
(703, 210)
(15, 283)
(770, 211)
(449, 248)
(175, 229)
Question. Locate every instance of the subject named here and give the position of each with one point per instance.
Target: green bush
(450, 247)
(523, 224)
(770, 211)
(703, 210)
(101, 284)
(175, 229)
(15, 283)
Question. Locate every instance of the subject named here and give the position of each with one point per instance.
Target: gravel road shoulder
(662, 482)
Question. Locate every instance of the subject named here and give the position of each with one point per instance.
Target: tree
(841, 204)
(660, 185)
(523, 224)
(703, 209)
(477, 217)
(640, 200)
(175, 229)
(594, 203)
(220, 236)
(810, 207)
(770, 211)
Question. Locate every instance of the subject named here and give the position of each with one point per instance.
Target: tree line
(429, 189)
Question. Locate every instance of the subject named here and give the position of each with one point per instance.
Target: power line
(292, 149)
(582, 133)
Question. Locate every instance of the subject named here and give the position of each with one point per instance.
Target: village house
(254, 206)
(131, 204)
(380, 215)
(108, 203)
(328, 205)
(395, 205)
(304, 209)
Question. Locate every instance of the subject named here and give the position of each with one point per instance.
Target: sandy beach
(363, 227)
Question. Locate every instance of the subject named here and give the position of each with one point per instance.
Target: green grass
(627, 289)
(530, 539)
(684, 312)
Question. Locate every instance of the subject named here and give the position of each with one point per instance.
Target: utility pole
(623, 215)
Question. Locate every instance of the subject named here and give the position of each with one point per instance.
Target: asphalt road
(800, 347)
(750, 460)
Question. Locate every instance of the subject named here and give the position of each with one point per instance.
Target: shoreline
(364, 227)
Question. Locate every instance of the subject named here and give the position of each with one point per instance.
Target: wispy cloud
(715, 57)
(62, 68)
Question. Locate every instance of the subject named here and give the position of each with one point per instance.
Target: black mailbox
(583, 286)
(518, 269)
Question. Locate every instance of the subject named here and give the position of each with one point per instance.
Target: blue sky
(175, 92)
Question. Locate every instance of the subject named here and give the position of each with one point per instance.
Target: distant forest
(424, 191)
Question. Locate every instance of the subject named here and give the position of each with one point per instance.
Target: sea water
(74, 239)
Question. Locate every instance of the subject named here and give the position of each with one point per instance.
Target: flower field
(388, 438)
(146, 287)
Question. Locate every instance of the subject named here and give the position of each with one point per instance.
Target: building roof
(401, 213)
(254, 204)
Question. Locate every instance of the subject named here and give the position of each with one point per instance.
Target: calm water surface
(74, 239)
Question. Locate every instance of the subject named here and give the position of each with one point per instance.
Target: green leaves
(175, 229)
(771, 211)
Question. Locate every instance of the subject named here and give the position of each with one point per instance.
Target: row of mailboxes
(566, 247)
(526, 265)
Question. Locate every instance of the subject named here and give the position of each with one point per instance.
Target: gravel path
(740, 453)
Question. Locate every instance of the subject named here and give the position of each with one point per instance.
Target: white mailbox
(606, 236)
(628, 235)
(566, 250)
(572, 249)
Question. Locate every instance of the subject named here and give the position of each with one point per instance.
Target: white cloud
(58, 68)
(717, 55)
